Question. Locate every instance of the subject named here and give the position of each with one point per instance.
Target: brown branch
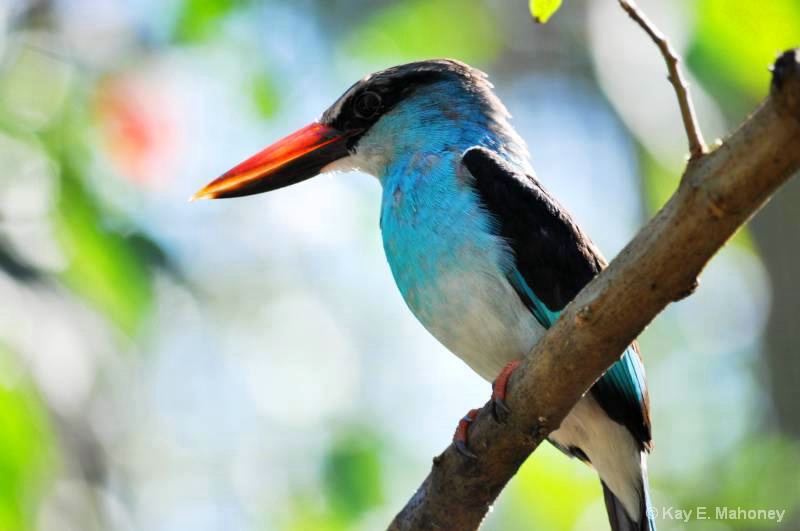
(719, 193)
(697, 146)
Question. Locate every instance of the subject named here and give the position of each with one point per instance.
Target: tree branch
(718, 193)
(697, 146)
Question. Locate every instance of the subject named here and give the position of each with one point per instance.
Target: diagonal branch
(718, 193)
(697, 146)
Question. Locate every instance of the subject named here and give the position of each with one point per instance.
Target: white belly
(459, 291)
(479, 317)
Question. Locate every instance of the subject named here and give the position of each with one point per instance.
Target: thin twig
(697, 146)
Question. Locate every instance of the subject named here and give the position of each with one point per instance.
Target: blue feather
(626, 376)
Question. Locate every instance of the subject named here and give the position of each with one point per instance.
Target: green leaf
(109, 266)
(736, 481)
(305, 514)
(772, 457)
(265, 96)
(105, 267)
(27, 452)
(734, 46)
(658, 181)
(542, 10)
(198, 19)
(572, 487)
(421, 29)
(353, 475)
(33, 87)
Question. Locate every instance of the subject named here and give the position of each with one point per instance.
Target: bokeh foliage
(112, 264)
(27, 447)
(414, 30)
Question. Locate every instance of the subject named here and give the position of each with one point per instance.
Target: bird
(484, 257)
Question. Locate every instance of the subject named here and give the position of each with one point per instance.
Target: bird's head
(423, 106)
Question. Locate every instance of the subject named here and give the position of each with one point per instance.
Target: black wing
(556, 260)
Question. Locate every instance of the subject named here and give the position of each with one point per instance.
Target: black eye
(367, 105)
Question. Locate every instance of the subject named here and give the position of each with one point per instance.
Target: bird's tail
(618, 516)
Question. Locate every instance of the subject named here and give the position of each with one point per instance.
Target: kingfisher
(485, 258)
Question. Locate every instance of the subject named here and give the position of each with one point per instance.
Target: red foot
(500, 409)
(460, 436)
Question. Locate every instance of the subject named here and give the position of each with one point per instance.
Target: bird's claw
(461, 446)
(500, 410)
(460, 436)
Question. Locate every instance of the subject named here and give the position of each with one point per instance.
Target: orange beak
(290, 160)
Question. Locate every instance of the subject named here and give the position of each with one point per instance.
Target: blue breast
(452, 270)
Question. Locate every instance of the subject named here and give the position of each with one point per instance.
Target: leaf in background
(33, 84)
(27, 452)
(777, 461)
(734, 46)
(421, 29)
(761, 473)
(104, 266)
(265, 95)
(352, 475)
(552, 492)
(306, 515)
(197, 19)
(542, 10)
(658, 185)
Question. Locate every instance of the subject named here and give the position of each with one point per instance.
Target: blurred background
(250, 364)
